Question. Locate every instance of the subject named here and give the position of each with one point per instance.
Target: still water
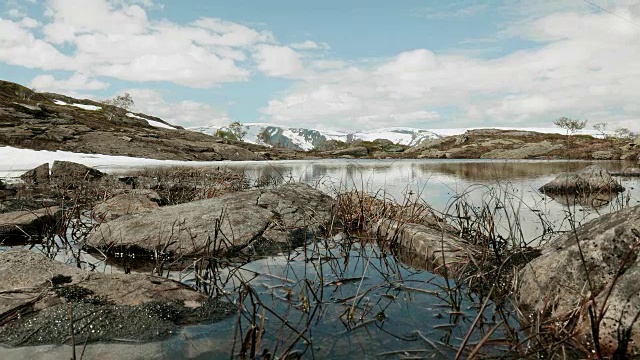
(337, 299)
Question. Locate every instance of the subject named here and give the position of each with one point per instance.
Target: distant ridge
(309, 139)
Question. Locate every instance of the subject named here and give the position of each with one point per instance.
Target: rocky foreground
(585, 277)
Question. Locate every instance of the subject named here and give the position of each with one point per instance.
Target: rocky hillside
(47, 121)
(515, 144)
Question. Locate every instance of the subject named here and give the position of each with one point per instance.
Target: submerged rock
(22, 225)
(558, 284)
(438, 247)
(39, 294)
(589, 180)
(256, 218)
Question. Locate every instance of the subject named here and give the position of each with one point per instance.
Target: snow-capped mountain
(308, 139)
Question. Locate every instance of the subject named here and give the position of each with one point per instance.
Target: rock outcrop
(559, 285)
(39, 294)
(253, 220)
(591, 179)
(355, 151)
(526, 151)
(70, 171)
(37, 176)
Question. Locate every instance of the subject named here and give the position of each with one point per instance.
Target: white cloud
(117, 39)
(19, 47)
(328, 64)
(73, 83)
(310, 45)
(184, 113)
(278, 61)
(584, 68)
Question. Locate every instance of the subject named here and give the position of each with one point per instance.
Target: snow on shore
(14, 161)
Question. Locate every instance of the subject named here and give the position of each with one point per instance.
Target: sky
(336, 65)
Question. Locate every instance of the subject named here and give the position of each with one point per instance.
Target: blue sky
(341, 65)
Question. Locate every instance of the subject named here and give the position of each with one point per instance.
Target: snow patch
(14, 162)
(87, 107)
(151, 122)
(59, 102)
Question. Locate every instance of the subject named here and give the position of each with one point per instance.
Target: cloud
(310, 45)
(185, 113)
(278, 61)
(73, 83)
(583, 68)
(116, 39)
(19, 47)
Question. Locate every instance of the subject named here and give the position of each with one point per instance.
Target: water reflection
(507, 184)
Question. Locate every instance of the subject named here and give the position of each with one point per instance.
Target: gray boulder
(133, 202)
(70, 171)
(237, 221)
(557, 284)
(588, 180)
(603, 155)
(37, 176)
(21, 225)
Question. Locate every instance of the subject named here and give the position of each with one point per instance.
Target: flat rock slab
(19, 225)
(38, 293)
(232, 222)
(557, 282)
(125, 204)
(591, 179)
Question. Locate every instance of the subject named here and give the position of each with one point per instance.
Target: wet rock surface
(21, 225)
(591, 179)
(40, 296)
(559, 284)
(435, 244)
(252, 221)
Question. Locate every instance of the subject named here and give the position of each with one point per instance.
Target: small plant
(264, 137)
(234, 131)
(238, 130)
(116, 105)
(571, 125)
(624, 133)
(601, 128)
(25, 93)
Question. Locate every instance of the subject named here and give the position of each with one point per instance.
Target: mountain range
(302, 139)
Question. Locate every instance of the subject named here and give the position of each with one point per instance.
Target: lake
(341, 299)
